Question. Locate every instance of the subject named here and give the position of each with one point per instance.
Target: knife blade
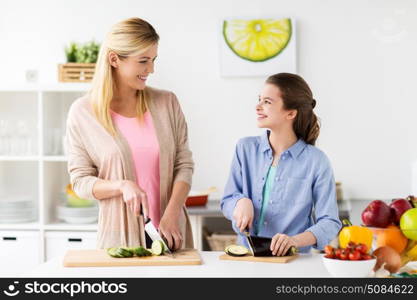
(249, 241)
(155, 236)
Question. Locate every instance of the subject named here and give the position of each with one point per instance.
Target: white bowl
(349, 268)
(79, 220)
(68, 211)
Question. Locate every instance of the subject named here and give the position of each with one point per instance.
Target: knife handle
(145, 220)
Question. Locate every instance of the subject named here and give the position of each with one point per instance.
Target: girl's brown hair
(296, 94)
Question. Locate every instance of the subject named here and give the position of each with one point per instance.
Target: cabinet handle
(75, 240)
(9, 238)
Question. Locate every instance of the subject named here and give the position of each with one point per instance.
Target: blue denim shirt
(303, 197)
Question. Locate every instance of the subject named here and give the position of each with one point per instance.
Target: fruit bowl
(349, 268)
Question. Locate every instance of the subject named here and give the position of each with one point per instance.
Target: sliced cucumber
(236, 250)
(124, 252)
(141, 251)
(112, 252)
(157, 247)
(120, 252)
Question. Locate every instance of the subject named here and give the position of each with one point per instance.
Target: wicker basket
(75, 72)
(218, 242)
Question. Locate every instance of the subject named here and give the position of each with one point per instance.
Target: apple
(377, 214)
(408, 224)
(398, 207)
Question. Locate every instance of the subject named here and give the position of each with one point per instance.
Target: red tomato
(329, 256)
(355, 255)
(344, 255)
(366, 257)
(337, 253)
(362, 248)
(351, 245)
(328, 249)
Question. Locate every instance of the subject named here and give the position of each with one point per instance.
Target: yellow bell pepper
(355, 234)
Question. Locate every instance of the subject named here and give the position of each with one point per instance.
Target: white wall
(358, 56)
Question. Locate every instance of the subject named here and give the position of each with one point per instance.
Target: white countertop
(306, 265)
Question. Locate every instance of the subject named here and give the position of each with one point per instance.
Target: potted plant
(81, 61)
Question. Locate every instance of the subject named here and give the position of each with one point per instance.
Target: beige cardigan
(93, 153)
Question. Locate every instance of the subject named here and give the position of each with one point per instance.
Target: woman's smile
(261, 116)
(143, 78)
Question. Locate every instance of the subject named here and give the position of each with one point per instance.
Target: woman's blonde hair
(129, 37)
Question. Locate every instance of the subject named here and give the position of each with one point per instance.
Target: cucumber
(141, 251)
(121, 252)
(113, 252)
(236, 250)
(157, 247)
(124, 252)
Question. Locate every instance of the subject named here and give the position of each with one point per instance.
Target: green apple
(408, 224)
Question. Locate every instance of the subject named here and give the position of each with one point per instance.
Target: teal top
(266, 195)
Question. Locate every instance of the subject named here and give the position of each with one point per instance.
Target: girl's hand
(281, 243)
(134, 197)
(170, 229)
(243, 214)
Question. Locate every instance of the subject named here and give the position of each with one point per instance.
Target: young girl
(280, 185)
(128, 144)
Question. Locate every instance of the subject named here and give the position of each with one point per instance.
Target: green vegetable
(124, 252)
(113, 252)
(140, 251)
(157, 247)
(121, 252)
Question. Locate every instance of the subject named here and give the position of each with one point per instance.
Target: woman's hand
(134, 197)
(170, 229)
(243, 214)
(281, 243)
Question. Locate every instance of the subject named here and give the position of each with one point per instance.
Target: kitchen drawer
(58, 242)
(19, 252)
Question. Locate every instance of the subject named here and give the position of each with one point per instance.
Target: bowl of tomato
(352, 261)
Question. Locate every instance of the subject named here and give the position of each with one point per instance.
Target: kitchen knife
(155, 236)
(249, 241)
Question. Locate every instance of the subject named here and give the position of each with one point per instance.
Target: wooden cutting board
(267, 259)
(100, 258)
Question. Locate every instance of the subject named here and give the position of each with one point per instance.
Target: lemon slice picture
(257, 40)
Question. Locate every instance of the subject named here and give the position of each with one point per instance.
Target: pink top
(144, 146)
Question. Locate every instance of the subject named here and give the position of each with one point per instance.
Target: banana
(410, 253)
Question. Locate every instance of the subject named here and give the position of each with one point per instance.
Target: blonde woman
(128, 144)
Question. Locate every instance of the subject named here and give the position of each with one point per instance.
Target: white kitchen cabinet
(39, 168)
(41, 171)
(19, 252)
(59, 242)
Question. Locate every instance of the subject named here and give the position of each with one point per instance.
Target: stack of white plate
(77, 215)
(17, 209)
